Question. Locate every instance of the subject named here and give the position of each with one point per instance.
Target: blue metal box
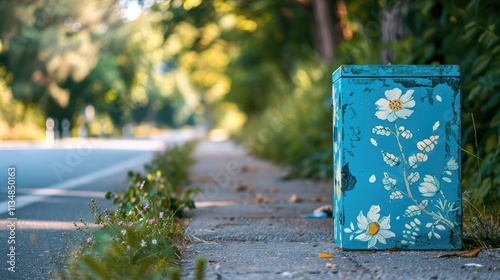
(397, 157)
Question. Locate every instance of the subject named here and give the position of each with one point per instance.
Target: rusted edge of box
(396, 71)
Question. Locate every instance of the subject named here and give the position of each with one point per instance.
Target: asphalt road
(53, 186)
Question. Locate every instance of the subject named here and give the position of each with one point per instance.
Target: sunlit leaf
(324, 255)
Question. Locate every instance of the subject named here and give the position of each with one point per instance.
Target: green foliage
(247, 53)
(143, 238)
(65, 56)
(449, 32)
(296, 131)
(161, 184)
(481, 226)
(200, 267)
(139, 244)
(466, 33)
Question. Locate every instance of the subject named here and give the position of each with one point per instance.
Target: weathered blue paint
(397, 157)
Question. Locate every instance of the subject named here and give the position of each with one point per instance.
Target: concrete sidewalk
(248, 226)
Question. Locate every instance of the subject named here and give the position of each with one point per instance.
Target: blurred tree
(64, 56)
(465, 33)
(46, 43)
(239, 60)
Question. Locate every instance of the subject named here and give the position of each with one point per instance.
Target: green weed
(144, 237)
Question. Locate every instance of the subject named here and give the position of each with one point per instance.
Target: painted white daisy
(395, 105)
(374, 230)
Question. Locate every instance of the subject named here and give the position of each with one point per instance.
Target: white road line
(43, 224)
(25, 200)
(59, 192)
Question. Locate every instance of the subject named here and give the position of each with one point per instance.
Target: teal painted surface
(396, 157)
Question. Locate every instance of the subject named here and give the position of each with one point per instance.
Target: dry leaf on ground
(34, 238)
(467, 254)
(273, 190)
(470, 254)
(324, 255)
(244, 188)
(295, 198)
(318, 199)
(260, 199)
(331, 265)
(249, 168)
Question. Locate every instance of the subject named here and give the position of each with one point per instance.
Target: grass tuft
(481, 226)
(143, 238)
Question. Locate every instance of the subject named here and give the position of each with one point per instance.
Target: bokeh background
(255, 70)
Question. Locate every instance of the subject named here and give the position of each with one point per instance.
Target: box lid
(360, 71)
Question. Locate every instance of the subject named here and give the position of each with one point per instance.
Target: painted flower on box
(395, 105)
(416, 187)
(372, 228)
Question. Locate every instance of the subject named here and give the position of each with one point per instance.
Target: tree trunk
(393, 29)
(323, 22)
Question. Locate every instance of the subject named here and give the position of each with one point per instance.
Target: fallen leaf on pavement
(227, 225)
(318, 199)
(470, 254)
(249, 168)
(261, 199)
(324, 255)
(331, 265)
(467, 254)
(273, 190)
(295, 198)
(244, 188)
(34, 238)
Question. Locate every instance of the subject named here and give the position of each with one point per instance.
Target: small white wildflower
(143, 243)
(123, 232)
(154, 241)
